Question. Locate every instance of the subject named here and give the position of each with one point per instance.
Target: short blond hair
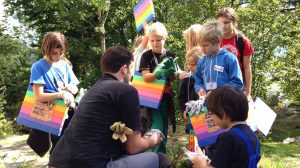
(195, 53)
(158, 29)
(190, 36)
(211, 31)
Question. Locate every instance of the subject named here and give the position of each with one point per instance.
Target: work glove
(72, 88)
(80, 95)
(68, 98)
(165, 73)
(170, 63)
(162, 64)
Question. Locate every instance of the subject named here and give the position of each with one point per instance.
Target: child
(190, 39)
(190, 35)
(238, 146)
(242, 50)
(51, 78)
(150, 59)
(218, 67)
(187, 92)
(138, 48)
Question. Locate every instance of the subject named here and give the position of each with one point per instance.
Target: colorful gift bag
(150, 94)
(203, 125)
(143, 11)
(45, 116)
(205, 129)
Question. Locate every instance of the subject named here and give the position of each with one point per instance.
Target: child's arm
(148, 77)
(199, 82)
(146, 36)
(235, 75)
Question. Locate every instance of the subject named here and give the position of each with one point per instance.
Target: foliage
(16, 60)
(5, 124)
(275, 39)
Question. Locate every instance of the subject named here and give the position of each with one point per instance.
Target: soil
(15, 153)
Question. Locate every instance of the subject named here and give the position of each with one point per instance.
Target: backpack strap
(240, 44)
(254, 155)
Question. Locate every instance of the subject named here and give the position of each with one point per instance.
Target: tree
(15, 60)
(88, 23)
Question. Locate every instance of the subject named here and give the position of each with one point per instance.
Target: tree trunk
(102, 18)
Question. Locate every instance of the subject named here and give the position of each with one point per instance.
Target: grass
(274, 154)
(278, 155)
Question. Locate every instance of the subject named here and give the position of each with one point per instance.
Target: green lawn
(279, 155)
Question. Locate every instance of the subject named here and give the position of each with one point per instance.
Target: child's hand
(72, 88)
(207, 94)
(202, 92)
(182, 75)
(156, 138)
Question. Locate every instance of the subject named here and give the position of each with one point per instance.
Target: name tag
(211, 85)
(219, 68)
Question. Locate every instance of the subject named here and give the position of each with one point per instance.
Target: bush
(6, 127)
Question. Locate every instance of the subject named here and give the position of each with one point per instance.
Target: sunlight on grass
(278, 155)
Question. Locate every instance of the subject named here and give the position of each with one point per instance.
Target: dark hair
(228, 13)
(115, 57)
(54, 40)
(230, 101)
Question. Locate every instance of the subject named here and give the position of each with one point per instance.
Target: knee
(164, 162)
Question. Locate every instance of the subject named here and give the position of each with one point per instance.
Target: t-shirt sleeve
(36, 76)
(248, 49)
(170, 54)
(72, 79)
(145, 62)
(129, 104)
(223, 152)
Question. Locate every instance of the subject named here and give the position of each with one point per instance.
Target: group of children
(212, 71)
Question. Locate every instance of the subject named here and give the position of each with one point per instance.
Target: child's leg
(159, 119)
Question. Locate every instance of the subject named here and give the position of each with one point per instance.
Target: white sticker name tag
(211, 85)
(219, 68)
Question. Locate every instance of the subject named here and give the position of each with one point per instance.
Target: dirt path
(15, 153)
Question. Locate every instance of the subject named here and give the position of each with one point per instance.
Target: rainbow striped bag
(143, 11)
(204, 128)
(150, 94)
(45, 116)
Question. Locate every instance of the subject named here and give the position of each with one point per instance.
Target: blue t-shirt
(223, 69)
(52, 76)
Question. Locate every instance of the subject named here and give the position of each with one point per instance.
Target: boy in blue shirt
(218, 67)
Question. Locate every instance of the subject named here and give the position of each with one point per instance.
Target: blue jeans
(144, 160)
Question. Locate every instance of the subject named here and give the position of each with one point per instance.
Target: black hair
(230, 101)
(115, 57)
